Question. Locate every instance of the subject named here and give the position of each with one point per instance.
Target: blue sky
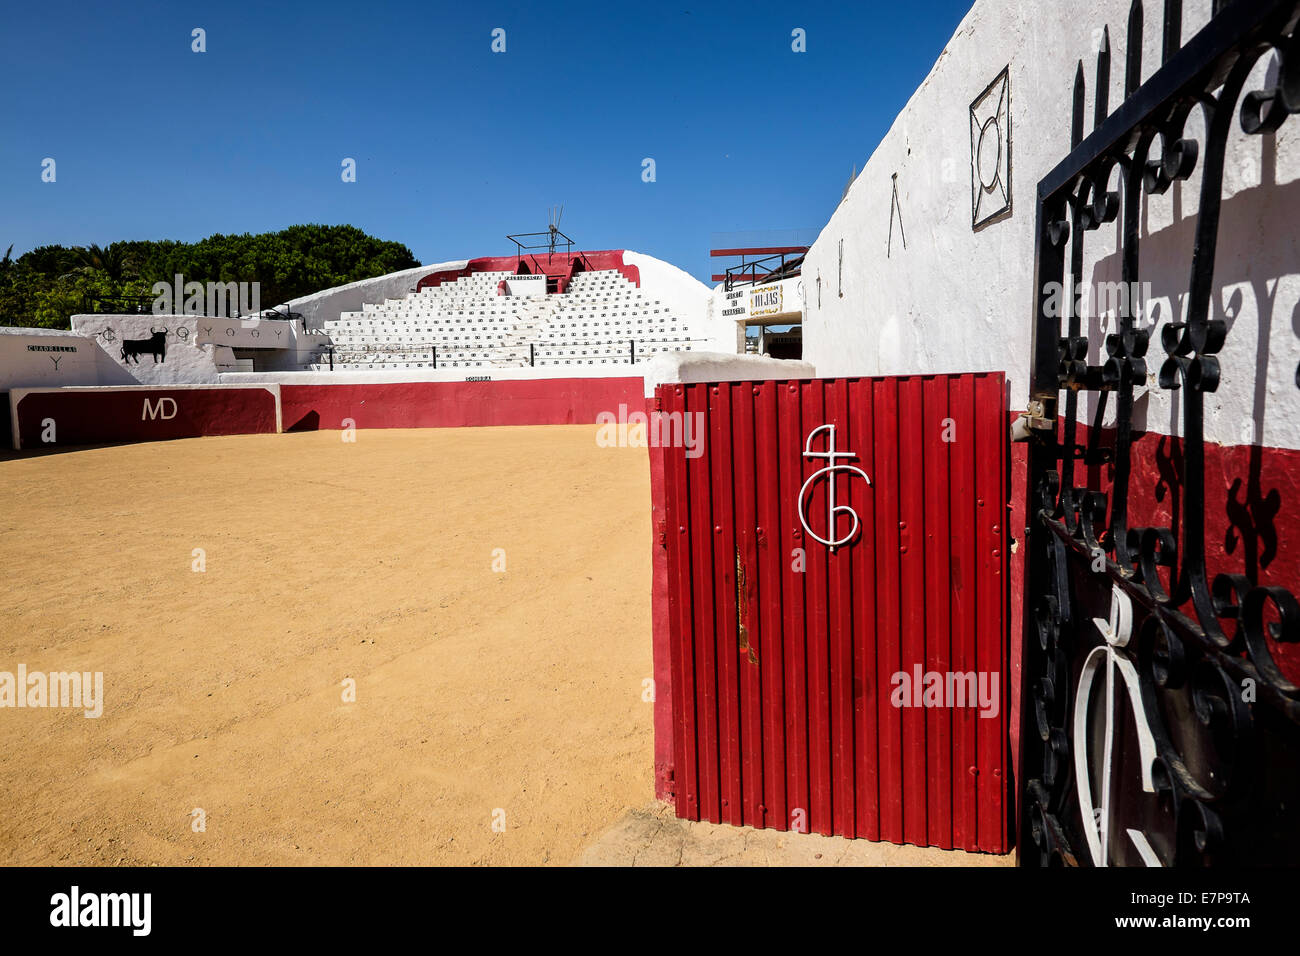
(455, 145)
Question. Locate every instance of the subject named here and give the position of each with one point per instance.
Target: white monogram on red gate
(832, 509)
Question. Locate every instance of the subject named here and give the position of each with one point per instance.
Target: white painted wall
(330, 303)
(719, 367)
(200, 349)
(688, 298)
(529, 285)
(186, 360)
(956, 299)
(54, 357)
(784, 297)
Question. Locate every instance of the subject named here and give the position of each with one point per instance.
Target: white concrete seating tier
(464, 323)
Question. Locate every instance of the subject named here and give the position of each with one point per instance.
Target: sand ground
(498, 715)
(653, 836)
(482, 696)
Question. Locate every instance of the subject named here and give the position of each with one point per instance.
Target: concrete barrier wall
(53, 358)
(54, 417)
(563, 401)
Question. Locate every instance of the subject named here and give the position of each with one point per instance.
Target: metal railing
(286, 315)
(554, 239)
(143, 305)
(122, 304)
(759, 270)
(512, 352)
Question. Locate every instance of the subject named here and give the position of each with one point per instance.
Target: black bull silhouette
(156, 344)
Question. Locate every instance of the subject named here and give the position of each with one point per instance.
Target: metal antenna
(557, 213)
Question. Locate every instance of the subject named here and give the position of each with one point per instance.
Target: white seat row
(601, 318)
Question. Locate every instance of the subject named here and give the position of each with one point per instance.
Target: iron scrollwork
(1159, 727)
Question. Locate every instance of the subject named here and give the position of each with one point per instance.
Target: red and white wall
(58, 417)
(903, 280)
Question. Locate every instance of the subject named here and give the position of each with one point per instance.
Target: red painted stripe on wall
(101, 415)
(758, 251)
(1250, 523)
(561, 265)
(556, 401)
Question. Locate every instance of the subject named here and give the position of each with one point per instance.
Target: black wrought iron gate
(1160, 724)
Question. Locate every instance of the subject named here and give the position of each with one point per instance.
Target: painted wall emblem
(990, 152)
(828, 473)
(895, 212)
(59, 352)
(1111, 660)
(155, 345)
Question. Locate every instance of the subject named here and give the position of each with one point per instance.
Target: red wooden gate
(788, 710)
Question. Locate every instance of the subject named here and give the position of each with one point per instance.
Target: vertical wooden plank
(888, 647)
(941, 431)
(964, 563)
(817, 658)
(868, 687)
(699, 472)
(794, 608)
(773, 558)
(748, 650)
(662, 616)
(991, 511)
(911, 550)
(725, 618)
(678, 541)
(840, 662)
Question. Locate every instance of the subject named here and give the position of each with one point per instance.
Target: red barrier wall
(89, 416)
(562, 265)
(563, 401)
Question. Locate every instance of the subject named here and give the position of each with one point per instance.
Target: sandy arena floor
(480, 696)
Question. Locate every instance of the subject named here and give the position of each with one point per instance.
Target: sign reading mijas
(765, 300)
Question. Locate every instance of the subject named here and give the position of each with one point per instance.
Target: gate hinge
(1039, 415)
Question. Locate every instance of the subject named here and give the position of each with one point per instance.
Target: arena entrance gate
(1161, 712)
(838, 605)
